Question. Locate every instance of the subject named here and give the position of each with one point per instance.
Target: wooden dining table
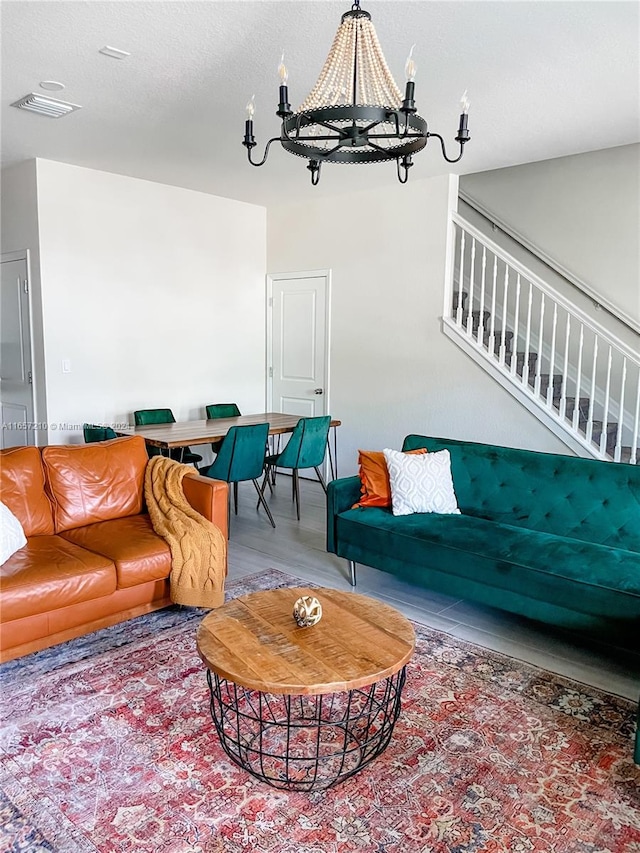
(188, 433)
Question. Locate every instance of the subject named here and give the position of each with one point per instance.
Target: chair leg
(274, 468)
(235, 497)
(296, 491)
(261, 500)
(269, 478)
(352, 572)
(321, 478)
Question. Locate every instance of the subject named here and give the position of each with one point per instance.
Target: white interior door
(298, 343)
(16, 377)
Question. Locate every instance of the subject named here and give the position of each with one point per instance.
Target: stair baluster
(527, 339)
(458, 301)
(636, 427)
(565, 372)
(505, 291)
(471, 284)
(514, 361)
(576, 410)
(592, 392)
(540, 337)
(618, 448)
(552, 358)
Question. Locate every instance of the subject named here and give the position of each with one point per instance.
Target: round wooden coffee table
(304, 708)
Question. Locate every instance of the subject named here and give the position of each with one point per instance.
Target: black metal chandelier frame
(355, 130)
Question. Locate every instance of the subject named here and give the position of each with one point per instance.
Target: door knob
(318, 391)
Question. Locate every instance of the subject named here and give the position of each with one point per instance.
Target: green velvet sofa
(551, 537)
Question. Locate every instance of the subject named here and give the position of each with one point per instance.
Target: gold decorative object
(307, 611)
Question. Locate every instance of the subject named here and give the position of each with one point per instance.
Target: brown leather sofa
(91, 558)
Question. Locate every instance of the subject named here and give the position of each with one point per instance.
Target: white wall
(18, 233)
(154, 294)
(583, 211)
(392, 370)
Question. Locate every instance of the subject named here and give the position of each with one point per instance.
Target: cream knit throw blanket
(198, 547)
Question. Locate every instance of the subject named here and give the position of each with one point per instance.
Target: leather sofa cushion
(95, 482)
(22, 489)
(139, 554)
(49, 573)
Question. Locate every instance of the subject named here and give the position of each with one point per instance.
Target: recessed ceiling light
(52, 85)
(114, 52)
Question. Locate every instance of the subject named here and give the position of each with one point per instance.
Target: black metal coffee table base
(304, 742)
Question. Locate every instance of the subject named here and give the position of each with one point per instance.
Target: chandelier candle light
(355, 113)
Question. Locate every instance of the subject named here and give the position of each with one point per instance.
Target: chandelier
(355, 113)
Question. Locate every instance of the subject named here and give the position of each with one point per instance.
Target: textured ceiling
(545, 79)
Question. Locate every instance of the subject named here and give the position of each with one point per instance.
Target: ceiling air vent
(45, 106)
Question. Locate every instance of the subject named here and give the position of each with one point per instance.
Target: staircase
(579, 379)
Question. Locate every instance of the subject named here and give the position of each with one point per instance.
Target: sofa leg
(352, 572)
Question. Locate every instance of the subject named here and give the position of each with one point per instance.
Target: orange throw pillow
(374, 476)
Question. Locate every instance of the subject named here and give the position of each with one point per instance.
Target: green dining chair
(221, 410)
(305, 449)
(241, 457)
(146, 417)
(94, 432)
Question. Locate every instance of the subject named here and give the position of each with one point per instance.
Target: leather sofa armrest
(209, 497)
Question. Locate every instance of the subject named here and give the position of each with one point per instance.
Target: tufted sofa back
(565, 495)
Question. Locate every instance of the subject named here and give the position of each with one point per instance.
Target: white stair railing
(574, 374)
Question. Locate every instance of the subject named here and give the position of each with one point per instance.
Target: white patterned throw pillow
(421, 483)
(12, 536)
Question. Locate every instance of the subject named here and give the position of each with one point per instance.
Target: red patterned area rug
(107, 745)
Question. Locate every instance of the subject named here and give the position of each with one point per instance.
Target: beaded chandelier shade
(355, 113)
(356, 71)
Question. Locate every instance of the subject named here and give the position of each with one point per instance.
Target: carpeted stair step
(544, 384)
(520, 356)
(456, 296)
(625, 454)
(612, 432)
(498, 336)
(475, 321)
(571, 405)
